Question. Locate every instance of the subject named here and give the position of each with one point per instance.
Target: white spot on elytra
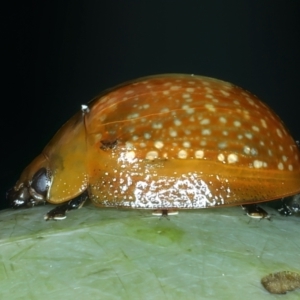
(206, 131)
(246, 114)
(263, 123)
(151, 155)
(182, 154)
(280, 166)
(129, 146)
(147, 135)
(232, 158)
(177, 122)
(255, 128)
(133, 116)
(290, 167)
(166, 92)
(224, 93)
(279, 133)
(250, 101)
(185, 96)
(173, 133)
(221, 157)
(186, 144)
(222, 145)
(199, 154)
(188, 109)
(257, 164)
(225, 132)
(205, 122)
(174, 88)
(248, 135)
(157, 125)
(253, 151)
(164, 110)
(210, 107)
(129, 92)
(284, 158)
(223, 120)
(102, 117)
(158, 144)
(190, 90)
(237, 123)
(247, 150)
(209, 90)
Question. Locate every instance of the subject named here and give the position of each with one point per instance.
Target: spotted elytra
(165, 142)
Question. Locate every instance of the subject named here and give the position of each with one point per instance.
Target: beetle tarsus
(256, 212)
(59, 212)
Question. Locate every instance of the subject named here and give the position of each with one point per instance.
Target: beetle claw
(55, 214)
(59, 212)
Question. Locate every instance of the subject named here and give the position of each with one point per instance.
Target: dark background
(60, 54)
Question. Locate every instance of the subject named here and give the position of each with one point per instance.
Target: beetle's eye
(41, 181)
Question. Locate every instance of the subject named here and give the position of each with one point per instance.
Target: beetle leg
(289, 206)
(284, 210)
(164, 213)
(256, 212)
(59, 212)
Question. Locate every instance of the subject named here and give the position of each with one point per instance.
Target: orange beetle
(165, 142)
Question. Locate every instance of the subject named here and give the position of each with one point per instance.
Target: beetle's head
(32, 187)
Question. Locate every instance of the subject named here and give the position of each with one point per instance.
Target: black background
(60, 54)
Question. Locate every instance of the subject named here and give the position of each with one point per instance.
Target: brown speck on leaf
(281, 282)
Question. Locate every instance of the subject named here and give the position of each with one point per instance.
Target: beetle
(164, 142)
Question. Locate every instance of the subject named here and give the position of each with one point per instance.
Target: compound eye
(41, 182)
